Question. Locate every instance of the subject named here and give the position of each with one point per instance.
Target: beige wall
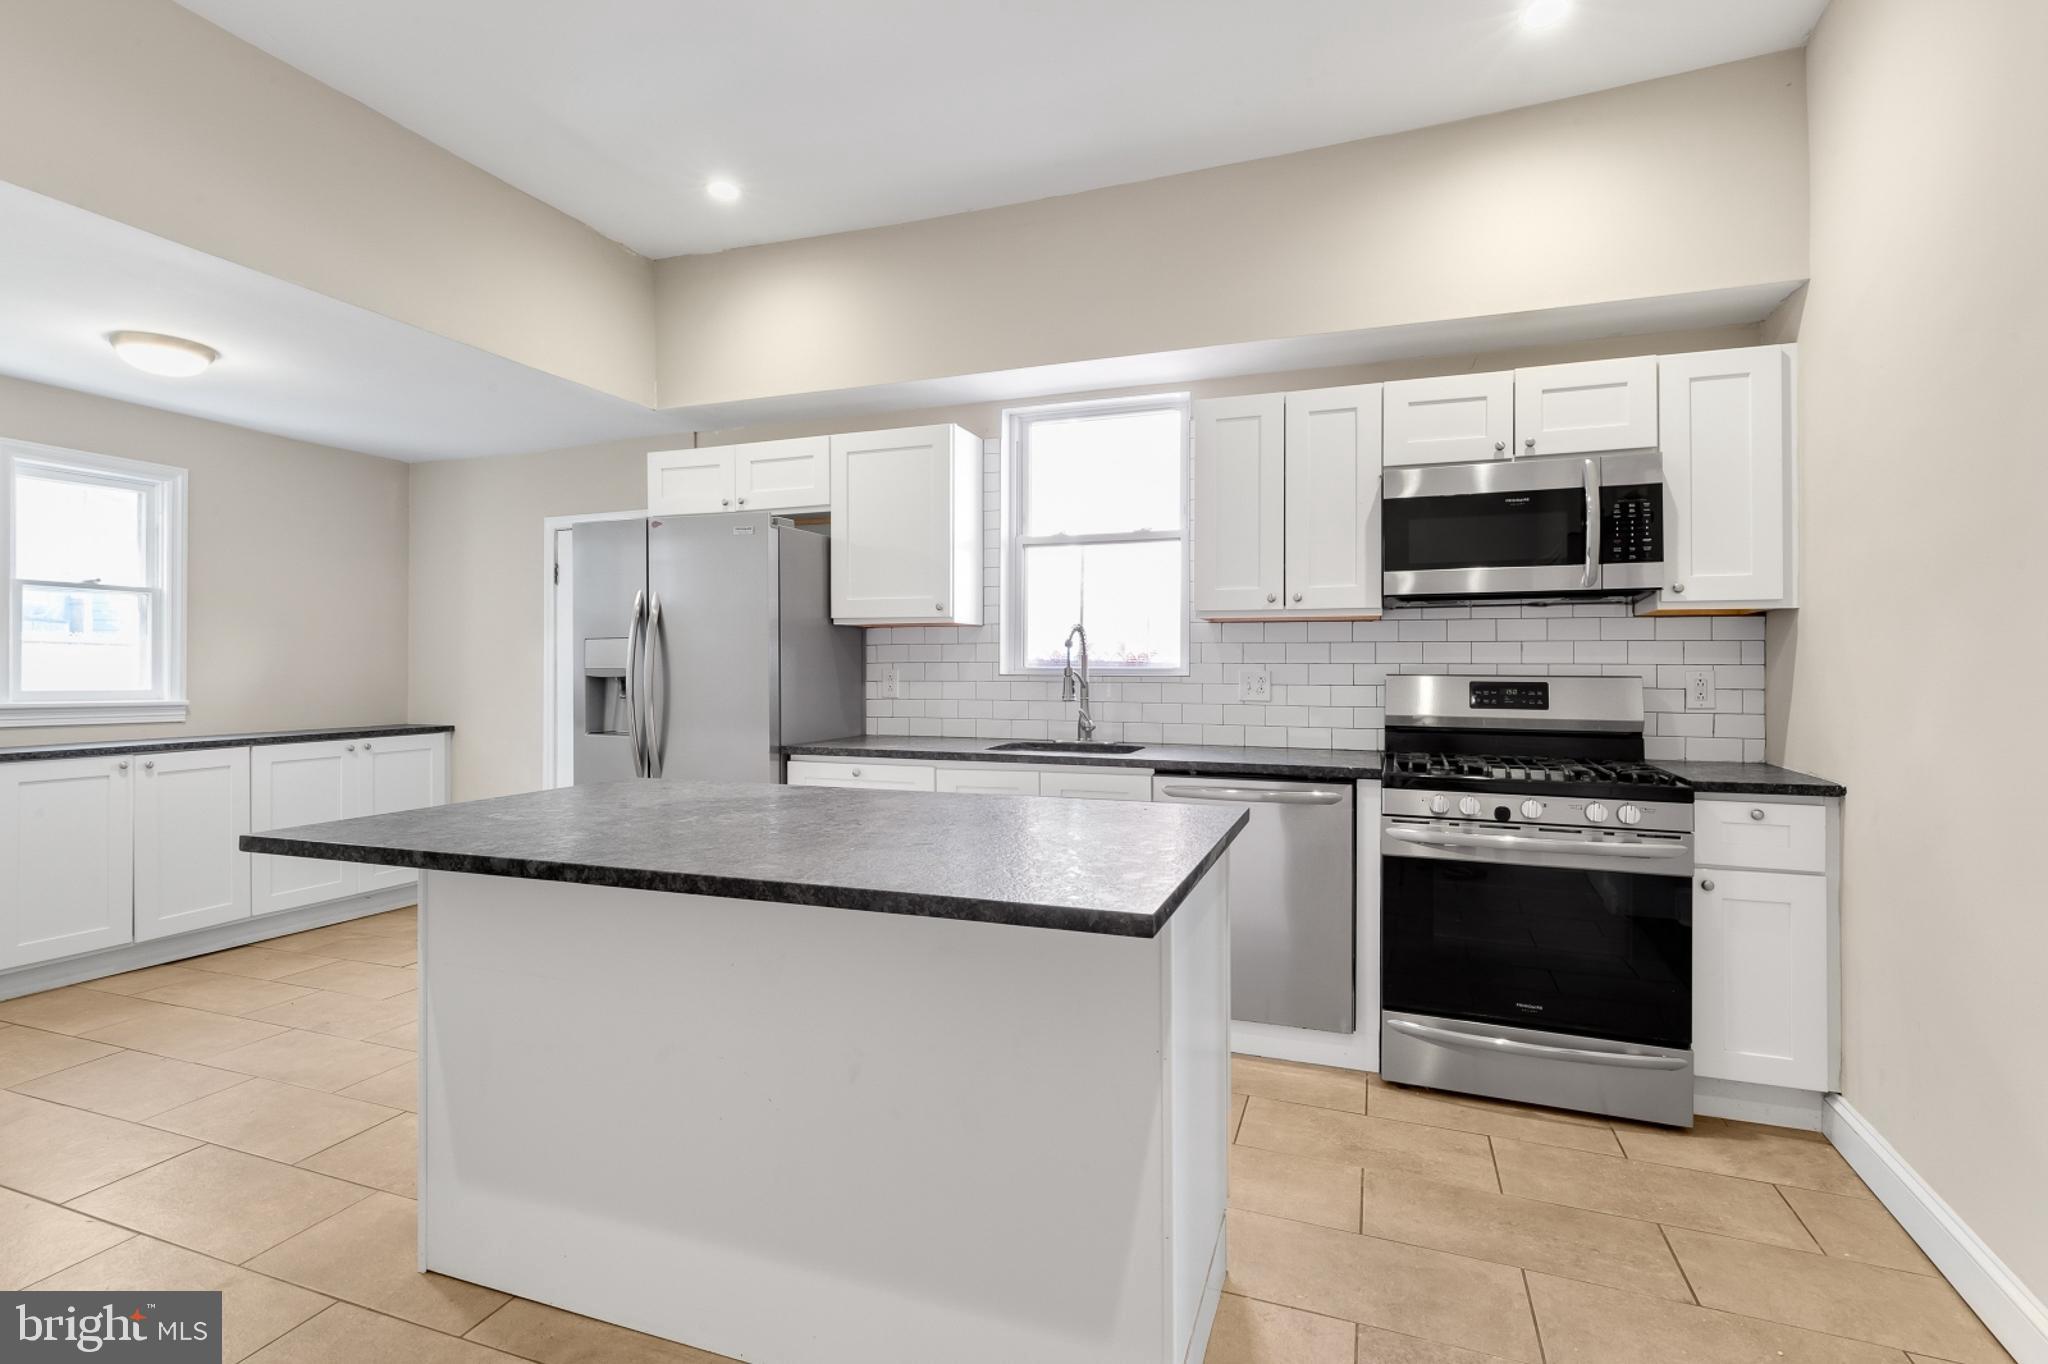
(478, 553)
(1693, 182)
(145, 113)
(295, 565)
(1911, 673)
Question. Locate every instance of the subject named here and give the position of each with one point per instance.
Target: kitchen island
(800, 1074)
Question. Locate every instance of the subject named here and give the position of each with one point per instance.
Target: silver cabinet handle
(121, 766)
(348, 748)
(854, 773)
(1297, 596)
(149, 766)
(366, 748)
(1499, 446)
(1678, 589)
(1706, 885)
(725, 502)
(743, 502)
(1529, 442)
(1756, 814)
(1475, 1042)
(938, 606)
(1257, 795)
(1272, 596)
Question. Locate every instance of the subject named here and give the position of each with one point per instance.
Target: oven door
(1546, 931)
(1515, 528)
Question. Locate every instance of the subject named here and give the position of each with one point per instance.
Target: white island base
(800, 1135)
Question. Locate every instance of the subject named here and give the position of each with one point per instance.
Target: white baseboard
(2012, 1311)
(112, 961)
(1767, 1104)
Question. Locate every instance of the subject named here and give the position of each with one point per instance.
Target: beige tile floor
(243, 1122)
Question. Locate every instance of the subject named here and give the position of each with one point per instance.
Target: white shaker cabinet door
(683, 482)
(1762, 997)
(66, 858)
(191, 810)
(906, 527)
(1726, 419)
(1588, 408)
(292, 784)
(782, 475)
(398, 772)
(1240, 505)
(1333, 500)
(1456, 419)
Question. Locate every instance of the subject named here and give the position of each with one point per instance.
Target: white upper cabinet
(292, 784)
(1586, 408)
(191, 810)
(66, 857)
(1726, 420)
(1333, 499)
(1457, 419)
(906, 527)
(768, 475)
(1240, 511)
(398, 772)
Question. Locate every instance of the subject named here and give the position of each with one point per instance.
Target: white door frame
(553, 699)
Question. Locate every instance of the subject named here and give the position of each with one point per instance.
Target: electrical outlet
(1254, 684)
(892, 680)
(1699, 688)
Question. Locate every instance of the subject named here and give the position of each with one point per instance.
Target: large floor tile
(346, 1334)
(385, 949)
(552, 1336)
(1299, 1187)
(313, 1060)
(1841, 1297)
(37, 1239)
(1857, 1229)
(1774, 1155)
(1250, 1332)
(58, 1153)
(405, 1035)
(148, 978)
(1618, 1251)
(1375, 1143)
(398, 1087)
(340, 1015)
(222, 994)
(260, 962)
(364, 978)
(368, 1254)
(186, 1034)
(1389, 1347)
(1656, 1193)
(254, 1310)
(1291, 1082)
(385, 1157)
(277, 1121)
(130, 1084)
(1401, 1288)
(221, 1203)
(26, 1053)
(1414, 1105)
(1584, 1323)
(73, 1010)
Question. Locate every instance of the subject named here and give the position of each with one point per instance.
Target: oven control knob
(1439, 805)
(1469, 807)
(1597, 812)
(1629, 814)
(1531, 809)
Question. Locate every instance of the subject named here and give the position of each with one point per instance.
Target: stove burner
(1513, 767)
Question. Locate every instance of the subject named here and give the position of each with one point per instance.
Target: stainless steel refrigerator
(703, 644)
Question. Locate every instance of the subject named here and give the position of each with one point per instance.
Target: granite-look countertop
(1109, 867)
(117, 747)
(1752, 779)
(1303, 764)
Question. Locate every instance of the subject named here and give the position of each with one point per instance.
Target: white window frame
(164, 490)
(1016, 454)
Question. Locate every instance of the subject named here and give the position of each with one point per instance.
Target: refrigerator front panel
(714, 650)
(823, 665)
(610, 569)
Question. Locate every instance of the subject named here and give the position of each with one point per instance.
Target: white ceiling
(293, 362)
(839, 114)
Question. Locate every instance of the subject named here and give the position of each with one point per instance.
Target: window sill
(34, 714)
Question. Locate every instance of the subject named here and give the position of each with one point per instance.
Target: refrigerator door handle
(633, 687)
(654, 724)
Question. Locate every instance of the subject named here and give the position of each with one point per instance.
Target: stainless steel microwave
(1557, 526)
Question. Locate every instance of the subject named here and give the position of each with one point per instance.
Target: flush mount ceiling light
(1542, 14)
(170, 356)
(724, 191)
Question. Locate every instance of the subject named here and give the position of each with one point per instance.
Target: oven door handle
(1641, 852)
(1475, 1042)
(1593, 527)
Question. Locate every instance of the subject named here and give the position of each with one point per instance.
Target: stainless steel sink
(1062, 746)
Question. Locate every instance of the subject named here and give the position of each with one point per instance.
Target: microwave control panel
(1632, 524)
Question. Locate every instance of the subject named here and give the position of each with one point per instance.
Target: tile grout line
(1535, 1323)
(1672, 1250)
(1818, 1247)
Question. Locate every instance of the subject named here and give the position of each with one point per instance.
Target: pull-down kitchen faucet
(1074, 685)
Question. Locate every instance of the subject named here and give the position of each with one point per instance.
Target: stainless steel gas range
(1536, 897)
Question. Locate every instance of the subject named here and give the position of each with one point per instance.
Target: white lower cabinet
(985, 781)
(191, 810)
(876, 776)
(1074, 783)
(293, 784)
(1762, 1002)
(399, 772)
(1096, 785)
(66, 857)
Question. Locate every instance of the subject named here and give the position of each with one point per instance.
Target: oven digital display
(1510, 696)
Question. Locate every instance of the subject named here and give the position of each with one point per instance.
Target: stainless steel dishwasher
(1293, 913)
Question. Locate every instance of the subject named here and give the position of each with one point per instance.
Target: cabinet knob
(1297, 596)
(938, 606)
(1271, 596)
(743, 502)
(1706, 885)
(856, 771)
(149, 766)
(1756, 814)
(1499, 446)
(121, 766)
(366, 748)
(725, 502)
(1528, 442)
(1678, 589)
(349, 748)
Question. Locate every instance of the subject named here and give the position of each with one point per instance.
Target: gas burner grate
(1520, 767)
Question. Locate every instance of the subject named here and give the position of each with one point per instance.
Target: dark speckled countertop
(1107, 867)
(1752, 779)
(117, 747)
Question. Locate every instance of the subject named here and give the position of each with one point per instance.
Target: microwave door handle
(1627, 1060)
(1591, 579)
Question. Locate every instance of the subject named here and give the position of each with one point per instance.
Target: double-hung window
(1094, 534)
(95, 556)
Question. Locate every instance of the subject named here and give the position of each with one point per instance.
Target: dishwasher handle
(1254, 795)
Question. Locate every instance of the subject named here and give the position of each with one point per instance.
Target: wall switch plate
(1254, 684)
(1699, 688)
(892, 680)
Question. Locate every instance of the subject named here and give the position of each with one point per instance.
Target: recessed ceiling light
(725, 191)
(1539, 14)
(171, 356)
